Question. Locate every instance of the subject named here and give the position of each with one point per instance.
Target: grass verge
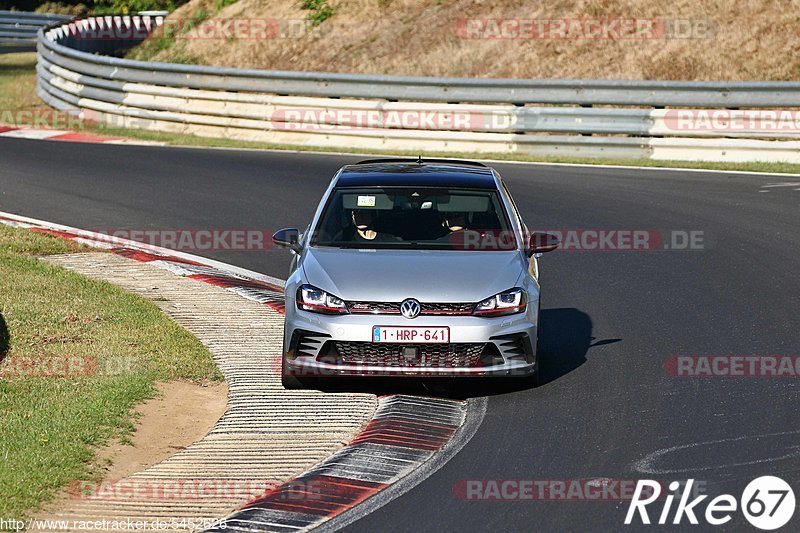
(76, 356)
(18, 94)
(18, 87)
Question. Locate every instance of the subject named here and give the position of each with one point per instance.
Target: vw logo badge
(410, 308)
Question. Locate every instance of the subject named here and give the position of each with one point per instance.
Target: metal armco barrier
(722, 121)
(18, 29)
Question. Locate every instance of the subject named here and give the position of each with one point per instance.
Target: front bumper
(341, 345)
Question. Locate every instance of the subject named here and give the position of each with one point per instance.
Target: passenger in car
(368, 228)
(362, 220)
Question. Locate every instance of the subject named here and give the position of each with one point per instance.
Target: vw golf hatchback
(413, 268)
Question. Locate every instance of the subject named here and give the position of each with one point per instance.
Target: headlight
(310, 298)
(506, 303)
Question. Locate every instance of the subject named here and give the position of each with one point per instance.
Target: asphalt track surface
(610, 319)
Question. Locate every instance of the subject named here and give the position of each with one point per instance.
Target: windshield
(415, 218)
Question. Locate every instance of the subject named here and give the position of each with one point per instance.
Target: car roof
(417, 173)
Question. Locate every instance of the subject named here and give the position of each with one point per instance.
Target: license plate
(414, 334)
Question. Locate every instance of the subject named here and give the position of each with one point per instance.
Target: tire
(529, 381)
(533, 379)
(288, 381)
(291, 382)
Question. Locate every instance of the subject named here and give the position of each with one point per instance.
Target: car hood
(427, 275)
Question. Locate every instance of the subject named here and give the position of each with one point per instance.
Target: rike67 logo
(767, 502)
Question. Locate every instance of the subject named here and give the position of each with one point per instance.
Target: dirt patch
(182, 414)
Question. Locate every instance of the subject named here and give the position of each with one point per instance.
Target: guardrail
(550, 117)
(19, 29)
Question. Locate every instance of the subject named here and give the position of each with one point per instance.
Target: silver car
(413, 268)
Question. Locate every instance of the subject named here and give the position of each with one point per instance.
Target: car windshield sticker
(366, 201)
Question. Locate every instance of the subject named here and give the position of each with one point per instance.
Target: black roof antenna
(419, 159)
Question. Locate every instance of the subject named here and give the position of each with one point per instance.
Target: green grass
(222, 4)
(116, 345)
(31, 243)
(320, 11)
(17, 88)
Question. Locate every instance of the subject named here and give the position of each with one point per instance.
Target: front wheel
(289, 381)
(530, 381)
(533, 379)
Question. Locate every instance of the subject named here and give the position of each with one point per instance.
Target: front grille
(446, 309)
(377, 308)
(393, 308)
(431, 355)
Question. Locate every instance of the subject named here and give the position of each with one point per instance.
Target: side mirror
(540, 243)
(288, 238)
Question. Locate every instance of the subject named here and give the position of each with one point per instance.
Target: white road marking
(646, 464)
(784, 184)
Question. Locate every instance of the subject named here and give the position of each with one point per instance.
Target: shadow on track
(565, 338)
